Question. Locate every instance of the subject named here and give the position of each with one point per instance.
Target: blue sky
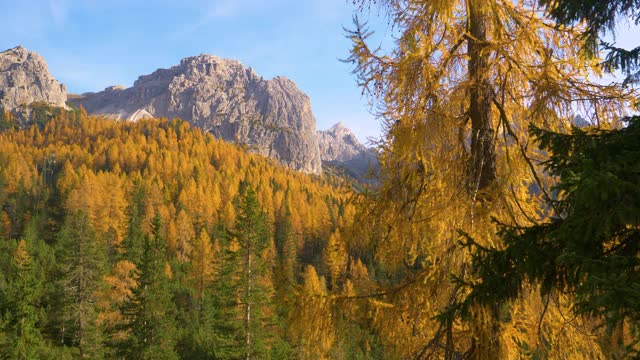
(92, 44)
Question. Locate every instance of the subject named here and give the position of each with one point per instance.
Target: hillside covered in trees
(495, 228)
(154, 240)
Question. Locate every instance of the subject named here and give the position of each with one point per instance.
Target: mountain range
(221, 96)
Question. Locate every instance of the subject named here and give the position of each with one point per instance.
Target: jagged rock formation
(338, 143)
(25, 79)
(273, 117)
(339, 147)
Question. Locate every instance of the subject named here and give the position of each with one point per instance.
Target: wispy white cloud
(221, 9)
(29, 19)
(226, 8)
(58, 10)
(15, 14)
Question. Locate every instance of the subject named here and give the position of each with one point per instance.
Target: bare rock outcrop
(338, 143)
(339, 147)
(221, 96)
(273, 117)
(25, 79)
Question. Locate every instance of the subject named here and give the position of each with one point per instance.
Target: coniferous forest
(154, 240)
(494, 227)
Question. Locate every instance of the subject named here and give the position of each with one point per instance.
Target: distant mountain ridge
(340, 148)
(25, 79)
(221, 96)
(338, 143)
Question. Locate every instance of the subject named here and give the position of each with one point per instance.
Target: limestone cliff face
(340, 147)
(25, 79)
(273, 117)
(338, 143)
(221, 96)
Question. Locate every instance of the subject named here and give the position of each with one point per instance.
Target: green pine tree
(285, 242)
(221, 304)
(285, 277)
(256, 296)
(83, 264)
(21, 313)
(134, 241)
(590, 246)
(152, 312)
(46, 270)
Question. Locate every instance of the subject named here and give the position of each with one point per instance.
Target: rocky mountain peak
(338, 143)
(222, 96)
(20, 53)
(339, 147)
(340, 131)
(194, 61)
(115, 88)
(25, 79)
(338, 127)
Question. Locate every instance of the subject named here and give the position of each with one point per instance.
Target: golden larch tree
(456, 92)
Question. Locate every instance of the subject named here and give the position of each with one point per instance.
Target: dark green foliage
(285, 277)
(46, 270)
(42, 112)
(70, 302)
(134, 242)
(16, 205)
(6, 122)
(215, 331)
(285, 242)
(252, 232)
(224, 324)
(19, 307)
(84, 264)
(151, 312)
(591, 246)
(601, 16)
(223, 316)
(235, 320)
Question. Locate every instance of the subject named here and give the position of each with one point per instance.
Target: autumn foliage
(140, 240)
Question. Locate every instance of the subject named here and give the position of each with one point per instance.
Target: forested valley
(495, 227)
(152, 239)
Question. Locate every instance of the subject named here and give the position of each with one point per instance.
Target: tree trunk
(247, 324)
(482, 169)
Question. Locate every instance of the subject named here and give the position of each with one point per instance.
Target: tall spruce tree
(285, 242)
(134, 241)
(199, 335)
(255, 296)
(20, 310)
(601, 17)
(83, 265)
(590, 246)
(221, 303)
(285, 276)
(151, 312)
